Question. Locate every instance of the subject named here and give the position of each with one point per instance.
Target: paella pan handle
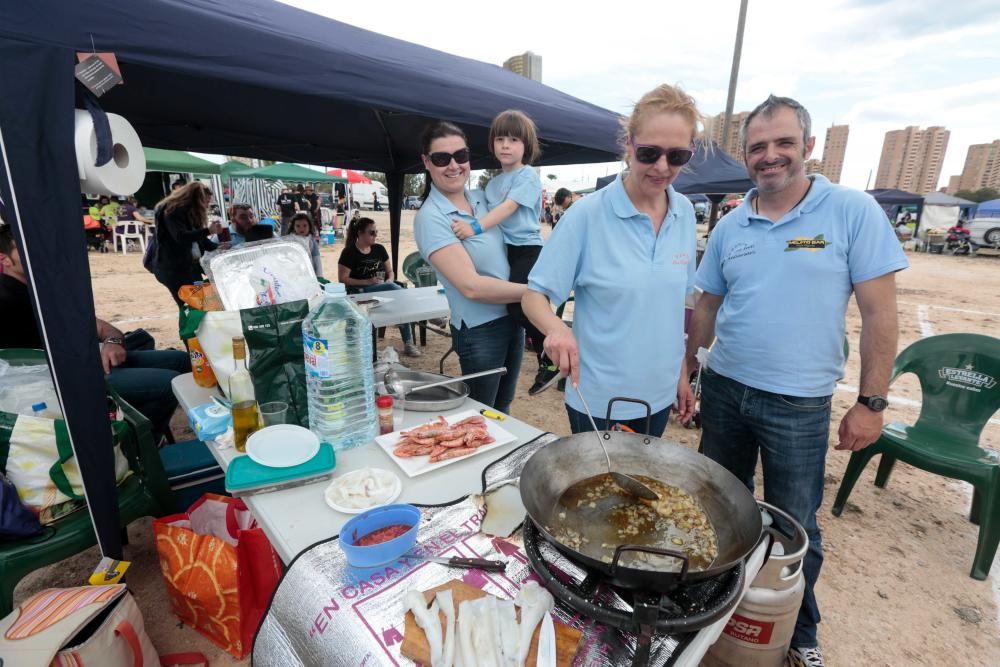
(680, 555)
(649, 409)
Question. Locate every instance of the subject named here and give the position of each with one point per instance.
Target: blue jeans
(144, 382)
(792, 434)
(405, 330)
(490, 345)
(579, 422)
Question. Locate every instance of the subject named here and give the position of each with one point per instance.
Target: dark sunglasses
(676, 157)
(442, 159)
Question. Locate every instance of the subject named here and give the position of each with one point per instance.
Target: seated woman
(364, 266)
(474, 271)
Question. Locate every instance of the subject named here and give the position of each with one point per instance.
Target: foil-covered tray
(261, 273)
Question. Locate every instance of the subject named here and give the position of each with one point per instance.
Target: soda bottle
(200, 368)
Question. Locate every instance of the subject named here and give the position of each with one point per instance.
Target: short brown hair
(662, 99)
(517, 124)
(6, 239)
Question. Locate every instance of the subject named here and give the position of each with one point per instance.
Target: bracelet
(476, 227)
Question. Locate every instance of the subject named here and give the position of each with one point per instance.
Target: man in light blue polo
(777, 275)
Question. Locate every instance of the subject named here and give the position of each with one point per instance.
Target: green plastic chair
(144, 493)
(418, 271)
(960, 379)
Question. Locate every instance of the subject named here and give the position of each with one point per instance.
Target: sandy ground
(895, 588)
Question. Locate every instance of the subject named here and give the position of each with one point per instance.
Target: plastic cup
(273, 413)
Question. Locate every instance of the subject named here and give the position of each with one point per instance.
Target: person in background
(376, 206)
(129, 211)
(141, 377)
(365, 267)
(182, 235)
(514, 197)
(312, 199)
(564, 198)
(178, 184)
(627, 252)
(241, 219)
(302, 231)
(474, 270)
(287, 206)
(777, 276)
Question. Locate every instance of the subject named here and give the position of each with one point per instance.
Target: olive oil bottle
(246, 416)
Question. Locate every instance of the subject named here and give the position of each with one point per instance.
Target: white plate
(347, 478)
(379, 299)
(418, 465)
(282, 446)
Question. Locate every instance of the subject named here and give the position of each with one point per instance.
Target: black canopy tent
(221, 77)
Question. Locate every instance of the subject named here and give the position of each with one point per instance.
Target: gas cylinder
(760, 630)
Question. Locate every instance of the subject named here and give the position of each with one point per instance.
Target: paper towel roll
(124, 173)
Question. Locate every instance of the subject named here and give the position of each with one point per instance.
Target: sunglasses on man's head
(676, 157)
(442, 159)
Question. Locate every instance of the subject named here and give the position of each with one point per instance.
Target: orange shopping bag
(219, 568)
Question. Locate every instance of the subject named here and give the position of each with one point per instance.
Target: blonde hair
(662, 99)
(517, 124)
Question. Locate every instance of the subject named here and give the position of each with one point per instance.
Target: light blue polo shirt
(432, 231)
(786, 285)
(523, 186)
(628, 318)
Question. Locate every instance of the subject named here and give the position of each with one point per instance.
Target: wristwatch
(876, 403)
(114, 340)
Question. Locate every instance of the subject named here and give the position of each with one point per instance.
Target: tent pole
(394, 182)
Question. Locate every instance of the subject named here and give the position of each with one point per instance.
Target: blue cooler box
(192, 472)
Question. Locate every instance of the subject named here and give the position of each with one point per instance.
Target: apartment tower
(528, 65)
(982, 167)
(834, 148)
(911, 159)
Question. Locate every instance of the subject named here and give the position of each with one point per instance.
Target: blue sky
(877, 65)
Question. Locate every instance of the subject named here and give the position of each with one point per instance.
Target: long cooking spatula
(628, 484)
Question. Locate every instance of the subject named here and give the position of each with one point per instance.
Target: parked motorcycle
(957, 242)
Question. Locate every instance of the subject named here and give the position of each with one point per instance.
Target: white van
(361, 193)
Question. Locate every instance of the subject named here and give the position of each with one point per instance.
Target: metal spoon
(394, 383)
(628, 484)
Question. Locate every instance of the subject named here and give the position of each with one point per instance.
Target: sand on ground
(895, 587)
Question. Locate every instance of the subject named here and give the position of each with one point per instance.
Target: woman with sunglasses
(474, 271)
(364, 266)
(627, 252)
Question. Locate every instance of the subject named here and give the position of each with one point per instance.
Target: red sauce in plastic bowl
(381, 535)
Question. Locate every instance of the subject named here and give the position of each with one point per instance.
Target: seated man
(141, 377)
(241, 219)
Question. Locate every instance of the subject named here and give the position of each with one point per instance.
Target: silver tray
(435, 399)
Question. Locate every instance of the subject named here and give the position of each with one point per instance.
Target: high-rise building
(814, 166)
(713, 131)
(953, 182)
(834, 148)
(911, 159)
(982, 167)
(527, 64)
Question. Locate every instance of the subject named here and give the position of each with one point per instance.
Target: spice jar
(385, 417)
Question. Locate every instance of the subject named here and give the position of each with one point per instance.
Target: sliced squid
(484, 633)
(509, 632)
(466, 621)
(447, 603)
(428, 620)
(534, 601)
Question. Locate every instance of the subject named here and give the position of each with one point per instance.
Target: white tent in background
(942, 211)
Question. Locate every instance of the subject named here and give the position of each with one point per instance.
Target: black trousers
(522, 259)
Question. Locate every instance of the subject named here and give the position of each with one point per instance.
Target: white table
(296, 518)
(408, 305)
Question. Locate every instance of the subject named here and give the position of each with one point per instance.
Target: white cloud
(877, 64)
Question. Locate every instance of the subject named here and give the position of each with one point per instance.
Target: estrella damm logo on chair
(803, 243)
(967, 378)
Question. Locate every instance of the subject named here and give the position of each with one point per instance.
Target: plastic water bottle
(337, 340)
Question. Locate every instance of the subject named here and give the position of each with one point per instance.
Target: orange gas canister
(202, 370)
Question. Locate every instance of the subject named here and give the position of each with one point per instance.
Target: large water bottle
(337, 338)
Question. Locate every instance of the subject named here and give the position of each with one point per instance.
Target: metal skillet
(729, 505)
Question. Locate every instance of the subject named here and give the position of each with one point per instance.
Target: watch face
(877, 403)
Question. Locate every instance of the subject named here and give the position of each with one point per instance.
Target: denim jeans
(579, 422)
(405, 330)
(144, 382)
(489, 345)
(791, 434)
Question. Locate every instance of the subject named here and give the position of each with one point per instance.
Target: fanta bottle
(202, 370)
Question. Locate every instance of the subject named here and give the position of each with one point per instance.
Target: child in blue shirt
(514, 197)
